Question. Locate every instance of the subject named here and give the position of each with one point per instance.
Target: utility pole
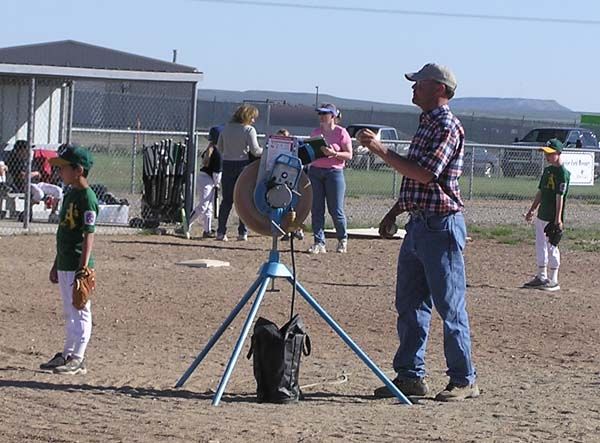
(174, 55)
(317, 97)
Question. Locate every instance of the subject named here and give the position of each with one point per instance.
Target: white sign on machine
(581, 167)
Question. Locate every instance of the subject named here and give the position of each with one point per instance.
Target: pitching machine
(273, 197)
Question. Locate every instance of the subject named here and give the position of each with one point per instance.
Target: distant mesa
(495, 104)
(492, 106)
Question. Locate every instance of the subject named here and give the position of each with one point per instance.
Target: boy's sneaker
(415, 387)
(208, 234)
(536, 282)
(549, 286)
(317, 248)
(454, 392)
(221, 237)
(342, 246)
(72, 366)
(242, 237)
(57, 360)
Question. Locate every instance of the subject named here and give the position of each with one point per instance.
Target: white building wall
(14, 103)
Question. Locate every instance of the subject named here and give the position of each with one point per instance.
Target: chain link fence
(491, 196)
(114, 119)
(118, 120)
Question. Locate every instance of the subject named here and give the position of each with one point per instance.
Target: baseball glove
(83, 285)
(554, 233)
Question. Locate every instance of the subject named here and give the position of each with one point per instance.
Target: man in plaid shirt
(431, 269)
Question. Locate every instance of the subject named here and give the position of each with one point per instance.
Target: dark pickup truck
(529, 161)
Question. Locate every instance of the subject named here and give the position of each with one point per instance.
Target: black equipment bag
(276, 360)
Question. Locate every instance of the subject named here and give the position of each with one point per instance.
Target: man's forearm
(394, 211)
(407, 168)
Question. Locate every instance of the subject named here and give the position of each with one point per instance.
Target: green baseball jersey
(77, 216)
(554, 181)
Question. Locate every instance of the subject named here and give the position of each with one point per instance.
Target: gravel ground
(367, 212)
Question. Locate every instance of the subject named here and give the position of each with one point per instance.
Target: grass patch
(574, 239)
(521, 188)
(114, 169)
(505, 234)
(583, 239)
(375, 183)
(383, 182)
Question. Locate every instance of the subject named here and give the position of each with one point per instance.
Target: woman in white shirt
(237, 140)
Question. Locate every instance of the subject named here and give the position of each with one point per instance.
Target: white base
(204, 263)
(365, 233)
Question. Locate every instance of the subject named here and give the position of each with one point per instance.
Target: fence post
(192, 153)
(70, 107)
(395, 176)
(133, 156)
(472, 168)
(30, 142)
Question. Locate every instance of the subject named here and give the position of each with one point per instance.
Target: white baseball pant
(547, 255)
(78, 322)
(204, 209)
(41, 189)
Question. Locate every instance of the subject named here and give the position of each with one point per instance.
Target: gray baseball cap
(433, 71)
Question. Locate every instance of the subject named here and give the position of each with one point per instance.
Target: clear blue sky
(350, 54)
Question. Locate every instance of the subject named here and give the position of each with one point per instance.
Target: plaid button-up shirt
(437, 146)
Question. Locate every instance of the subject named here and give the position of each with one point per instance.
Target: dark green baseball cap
(553, 145)
(73, 155)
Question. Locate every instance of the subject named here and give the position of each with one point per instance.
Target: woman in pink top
(327, 179)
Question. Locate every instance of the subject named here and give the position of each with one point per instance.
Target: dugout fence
(490, 196)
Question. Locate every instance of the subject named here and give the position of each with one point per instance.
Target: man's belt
(422, 213)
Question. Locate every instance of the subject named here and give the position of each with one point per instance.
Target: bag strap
(251, 350)
(307, 348)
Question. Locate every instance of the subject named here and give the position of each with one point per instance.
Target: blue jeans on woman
(328, 185)
(431, 272)
(231, 172)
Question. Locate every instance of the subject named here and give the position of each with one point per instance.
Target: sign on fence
(581, 167)
(590, 119)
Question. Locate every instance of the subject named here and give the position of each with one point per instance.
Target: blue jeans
(231, 172)
(327, 185)
(431, 272)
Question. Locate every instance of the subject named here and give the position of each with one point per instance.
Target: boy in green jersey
(550, 204)
(74, 241)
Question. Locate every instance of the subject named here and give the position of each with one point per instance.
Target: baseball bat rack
(163, 197)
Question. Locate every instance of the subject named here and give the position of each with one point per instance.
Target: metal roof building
(37, 84)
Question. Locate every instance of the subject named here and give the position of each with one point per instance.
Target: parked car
(362, 158)
(486, 162)
(531, 161)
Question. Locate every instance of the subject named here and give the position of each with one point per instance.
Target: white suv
(362, 158)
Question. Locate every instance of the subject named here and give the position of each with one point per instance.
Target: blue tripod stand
(268, 272)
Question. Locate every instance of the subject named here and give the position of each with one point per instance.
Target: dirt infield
(536, 353)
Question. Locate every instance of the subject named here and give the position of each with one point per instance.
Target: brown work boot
(454, 392)
(408, 386)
